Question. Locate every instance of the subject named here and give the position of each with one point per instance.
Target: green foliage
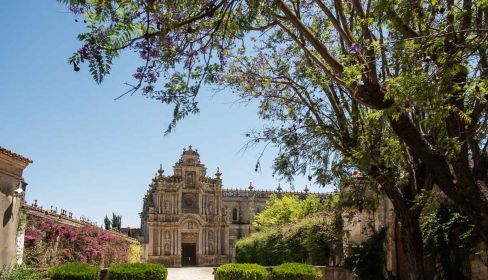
(137, 271)
(74, 271)
(116, 221)
(20, 273)
(290, 208)
(296, 271)
(308, 241)
(368, 259)
(396, 89)
(107, 222)
(448, 237)
(242, 271)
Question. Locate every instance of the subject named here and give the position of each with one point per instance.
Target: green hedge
(296, 271)
(241, 271)
(137, 271)
(308, 241)
(74, 271)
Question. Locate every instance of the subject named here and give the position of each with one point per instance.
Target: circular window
(189, 203)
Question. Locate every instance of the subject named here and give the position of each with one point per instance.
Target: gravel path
(190, 273)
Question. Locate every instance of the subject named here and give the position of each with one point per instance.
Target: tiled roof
(14, 155)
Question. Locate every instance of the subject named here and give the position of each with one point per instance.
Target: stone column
(200, 242)
(173, 204)
(158, 236)
(178, 241)
(178, 199)
(151, 240)
(20, 247)
(225, 241)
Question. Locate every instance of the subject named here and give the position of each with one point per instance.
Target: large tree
(396, 88)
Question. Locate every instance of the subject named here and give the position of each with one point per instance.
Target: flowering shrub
(49, 243)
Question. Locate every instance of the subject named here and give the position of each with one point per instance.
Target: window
(235, 215)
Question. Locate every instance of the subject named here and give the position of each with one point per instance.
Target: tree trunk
(412, 247)
(412, 260)
(470, 199)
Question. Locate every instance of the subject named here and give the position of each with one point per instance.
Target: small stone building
(189, 219)
(12, 166)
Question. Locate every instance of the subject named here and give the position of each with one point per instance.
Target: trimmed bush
(308, 241)
(137, 271)
(241, 271)
(74, 271)
(296, 271)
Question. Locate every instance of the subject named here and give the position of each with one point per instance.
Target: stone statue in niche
(167, 205)
(210, 235)
(166, 249)
(225, 211)
(210, 207)
(190, 178)
(190, 225)
(211, 248)
(166, 235)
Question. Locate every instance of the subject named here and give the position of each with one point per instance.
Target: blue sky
(93, 155)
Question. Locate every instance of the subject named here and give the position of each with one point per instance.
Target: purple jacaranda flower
(354, 48)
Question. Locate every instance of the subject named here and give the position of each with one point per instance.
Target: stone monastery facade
(189, 219)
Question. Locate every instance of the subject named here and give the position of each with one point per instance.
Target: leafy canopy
(396, 88)
(290, 208)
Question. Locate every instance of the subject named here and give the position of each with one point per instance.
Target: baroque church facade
(189, 219)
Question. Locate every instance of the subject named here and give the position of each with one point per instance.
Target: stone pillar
(151, 241)
(173, 204)
(178, 242)
(178, 199)
(200, 242)
(20, 247)
(225, 241)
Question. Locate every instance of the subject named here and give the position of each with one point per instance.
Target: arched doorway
(189, 242)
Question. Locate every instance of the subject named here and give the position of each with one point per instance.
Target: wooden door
(188, 254)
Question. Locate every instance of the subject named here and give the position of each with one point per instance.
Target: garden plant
(74, 271)
(296, 271)
(241, 271)
(137, 271)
